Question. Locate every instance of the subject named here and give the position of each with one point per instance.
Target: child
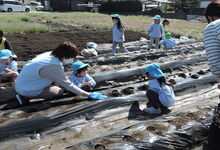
(117, 34)
(160, 94)
(80, 77)
(155, 32)
(8, 67)
(165, 25)
(168, 41)
(4, 44)
(90, 50)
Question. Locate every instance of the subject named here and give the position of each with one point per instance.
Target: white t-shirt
(118, 34)
(166, 93)
(211, 37)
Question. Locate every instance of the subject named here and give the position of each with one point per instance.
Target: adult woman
(38, 74)
(212, 47)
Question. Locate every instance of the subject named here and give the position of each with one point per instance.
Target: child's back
(166, 93)
(168, 41)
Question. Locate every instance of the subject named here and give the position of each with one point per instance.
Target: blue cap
(116, 16)
(155, 71)
(78, 65)
(5, 54)
(157, 17)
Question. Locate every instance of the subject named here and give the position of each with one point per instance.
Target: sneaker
(21, 99)
(152, 110)
(113, 51)
(125, 50)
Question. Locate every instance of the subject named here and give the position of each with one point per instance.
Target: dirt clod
(172, 81)
(115, 93)
(128, 138)
(151, 128)
(194, 76)
(128, 91)
(100, 147)
(183, 75)
(143, 87)
(201, 72)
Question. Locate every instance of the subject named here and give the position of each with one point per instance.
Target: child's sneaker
(113, 51)
(124, 50)
(21, 99)
(152, 110)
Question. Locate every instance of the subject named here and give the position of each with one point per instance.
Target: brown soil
(26, 46)
(128, 91)
(115, 93)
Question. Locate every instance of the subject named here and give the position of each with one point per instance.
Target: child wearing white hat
(90, 50)
(155, 32)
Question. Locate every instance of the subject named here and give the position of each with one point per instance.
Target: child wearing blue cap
(160, 94)
(168, 42)
(80, 78)
(8, 67)
(118, 34)
(155, 32)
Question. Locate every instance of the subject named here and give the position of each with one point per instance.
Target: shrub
(25, 19)
(121, 6)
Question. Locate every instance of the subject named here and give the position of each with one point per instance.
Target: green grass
(29, 22)
(19, 23)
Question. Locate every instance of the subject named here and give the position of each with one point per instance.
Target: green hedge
(121, 6)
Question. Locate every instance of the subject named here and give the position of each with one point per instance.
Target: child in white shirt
(8, 67)
(160, 94)
(168, 41)
(118, 36)
(80, 78)
(90, 50)
(155, 32)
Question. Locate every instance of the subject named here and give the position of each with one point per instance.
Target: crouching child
(8, 67)
(90, 50)
(168, 42)
(80, 78)
(160, 94)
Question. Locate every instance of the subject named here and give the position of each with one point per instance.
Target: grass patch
(19, 23)
(94, 21)
(25, 19)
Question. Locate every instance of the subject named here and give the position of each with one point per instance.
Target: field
(33, 33)
(75, 123)
(46, 22)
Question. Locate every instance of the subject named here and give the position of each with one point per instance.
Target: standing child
(8, 67)
(118, 34)
(155, 32)
(168, 41)
(80, 78)
(4, 44)
(160, 94)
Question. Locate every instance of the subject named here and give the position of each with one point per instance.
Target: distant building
(204, 3)
(69, 5)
